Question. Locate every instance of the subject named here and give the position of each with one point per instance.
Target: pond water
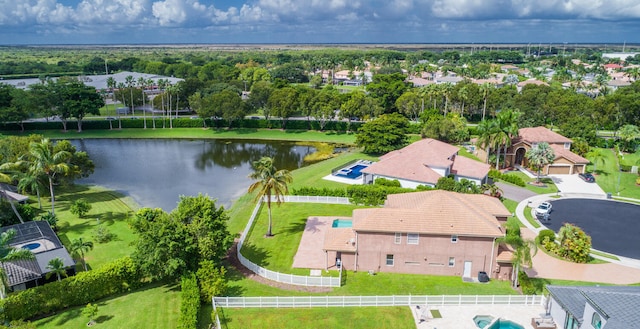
(156, 172)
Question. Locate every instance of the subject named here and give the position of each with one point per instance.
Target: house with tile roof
(423, 163)
(433, 232)
(38, 237)
(565, 162)
(594, 307)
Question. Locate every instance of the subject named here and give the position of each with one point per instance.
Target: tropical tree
(56, 266)
(269, 182)
(486, 133)
(507, 130)
(596, 155)
(142, 84)
(42, 160)
(9, 253)
(384, 134)
(130, 81)
(111, 83)
(90, 311)
(522, 249)
(540, 156)
(628, 134)
(79, 248)
(485, 89)
(31, 181)
(4, 178)
(575, 244)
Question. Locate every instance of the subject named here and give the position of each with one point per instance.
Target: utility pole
(106, 70)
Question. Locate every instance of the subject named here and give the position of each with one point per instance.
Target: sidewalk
(624, 271)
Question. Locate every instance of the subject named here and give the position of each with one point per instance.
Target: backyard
(611, 180)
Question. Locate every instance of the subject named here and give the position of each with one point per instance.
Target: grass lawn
(155, 306)
(200, 133)
(276, 253)
(550, 188)
(334, 317)
(112, 210)
(611, 180)
(529, 217)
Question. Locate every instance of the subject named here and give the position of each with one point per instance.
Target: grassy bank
(200, 133)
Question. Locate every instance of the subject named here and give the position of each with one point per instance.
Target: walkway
(624, 271)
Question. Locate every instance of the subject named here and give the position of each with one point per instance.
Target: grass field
(200, 133)
(155, 306)
(550, 186)
(613, 181)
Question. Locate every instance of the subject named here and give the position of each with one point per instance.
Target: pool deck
(462, 316)
(310, 254)
(344, 180)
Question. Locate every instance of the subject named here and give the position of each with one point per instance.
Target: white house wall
(558, 314)
(588, 314)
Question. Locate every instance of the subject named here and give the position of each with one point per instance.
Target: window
(412, 238)
(596, 322)
(454, 239)
(452, 261)
(567, 146)
(389, 260)
(398, 238)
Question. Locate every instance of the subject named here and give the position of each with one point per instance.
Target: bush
(545, 234)
(80, 207)
(50, 218)
(118, 276)
(526, 284)
(373, 195)
(103, 235)
(314, 191)
(211, 280)
(387, 182)
(189, 302)
(513, 179)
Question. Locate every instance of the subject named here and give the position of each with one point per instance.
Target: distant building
(621, 56)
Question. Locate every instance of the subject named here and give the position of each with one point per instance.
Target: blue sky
(318, 21)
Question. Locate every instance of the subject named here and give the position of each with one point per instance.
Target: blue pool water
(31, 246)
(351, 172)
(339, 223)
(505, 324)
(482, 320)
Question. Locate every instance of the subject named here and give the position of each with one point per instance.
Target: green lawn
(550, 186)
(109, 209)
(529, 217)
(155, 306)
(611, 180)
(243, 133)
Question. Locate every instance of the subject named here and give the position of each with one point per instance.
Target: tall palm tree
(150, 83)
(597, 156)
(507, 129)
(31, 181)
(485, 89)
(4, 178)
(42, 160)
(142, 83)
(486, 133)
(162, 84)
(270, 182)
(9, 253)
(121, 86)
(80, 247)
(56, 266)
(522, 249)
(130, 81)
(540, 156)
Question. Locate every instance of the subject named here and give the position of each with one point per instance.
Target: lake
(155, 172)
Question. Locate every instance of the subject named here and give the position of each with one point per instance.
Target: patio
(462, 316)
(310, 254)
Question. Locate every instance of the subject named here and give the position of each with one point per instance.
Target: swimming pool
(352, 172)
(341, 223)
(505, 324)
(482, 320)
(32, 246)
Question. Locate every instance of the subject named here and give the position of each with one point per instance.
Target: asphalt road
(614, 227)
(514, 193)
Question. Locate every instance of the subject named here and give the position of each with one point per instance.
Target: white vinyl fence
(316, 281)
(361, 301)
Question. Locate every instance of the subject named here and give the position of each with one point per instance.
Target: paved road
(513, 192)
(614, 227)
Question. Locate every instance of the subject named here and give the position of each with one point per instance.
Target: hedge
(513, 179)
(119, 276)
(189, 302)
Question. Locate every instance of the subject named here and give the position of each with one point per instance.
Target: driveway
(574, 184)
(515, 193)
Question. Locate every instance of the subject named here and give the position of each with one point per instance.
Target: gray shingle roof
(620, 304)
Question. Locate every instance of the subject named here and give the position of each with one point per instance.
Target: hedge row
(189, 302)
(370, 195)
(127, 122)
(513, 179)
(119, 276)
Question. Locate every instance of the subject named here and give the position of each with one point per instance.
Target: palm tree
(486, 133)
(80, 247)
(121, 86)
(43, 161)
(597, 156)
(270, 182)
(628, 134)
(540, 156)
(130, 81)
(522, 249)
(485, 89)
(9, 253)
(150, 83)
(4, 178)
(31, 181)
(507, 130)
(142, 83)
(56, 266)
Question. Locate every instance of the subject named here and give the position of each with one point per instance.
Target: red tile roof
(541, 134)
(435, 212)
(561, 152)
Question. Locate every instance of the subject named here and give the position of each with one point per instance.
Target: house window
(412, 238)
(452, 261)
(389, 260)
(398, 239)
(454, 238)
(567, 146)
(596, 322)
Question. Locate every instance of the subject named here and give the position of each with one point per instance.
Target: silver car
(543, 209)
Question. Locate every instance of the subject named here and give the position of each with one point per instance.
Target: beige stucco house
(423, 163)
(565, 162)
(432, 232)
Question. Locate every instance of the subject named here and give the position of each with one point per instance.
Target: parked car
(543, 209)
(587, 177)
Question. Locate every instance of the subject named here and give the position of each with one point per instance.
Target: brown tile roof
(415, 162)
(541, 134)
(561, 152)
(340, 239)
(435, 212)
(532, 81)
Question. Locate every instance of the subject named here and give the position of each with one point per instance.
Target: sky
(318, 21)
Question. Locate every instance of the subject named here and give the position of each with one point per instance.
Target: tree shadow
(299, 226)
(255, 254)
(103, 318)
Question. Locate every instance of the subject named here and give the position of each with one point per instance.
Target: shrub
(638, 180)
(118, 276)
(211, 280)
(372, 195)
(103, 235)
(189, 302)
(575, 244)
(314, 191)
(80, 207)
(387, 182)
(526, 284)
(446, 183)
(50, 218)
(513, 179)
(545, 233)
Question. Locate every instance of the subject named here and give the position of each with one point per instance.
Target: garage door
(559, 170)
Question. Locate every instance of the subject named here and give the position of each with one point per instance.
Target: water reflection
(156, 172)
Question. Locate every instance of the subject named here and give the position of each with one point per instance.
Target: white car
(543, 209)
